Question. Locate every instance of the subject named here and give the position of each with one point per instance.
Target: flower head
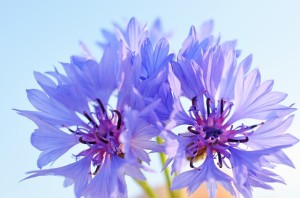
(76, 110)
(234, 121)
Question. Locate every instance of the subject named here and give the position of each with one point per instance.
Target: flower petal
(78, 172)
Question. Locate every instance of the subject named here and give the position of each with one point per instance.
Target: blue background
(37, 35)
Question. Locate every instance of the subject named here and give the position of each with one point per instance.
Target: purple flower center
(210, 131)
(101, 134)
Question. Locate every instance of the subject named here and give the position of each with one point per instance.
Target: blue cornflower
(235, 122)
(76, 110)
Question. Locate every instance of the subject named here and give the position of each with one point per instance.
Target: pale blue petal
(52, 142)
(255, 100)
(206, 29)
(36, 116)
(280, 157)
(138, 137)
(133, 171)
(208, 173)
(108, 182)
(50, 107)
(190, 76)
(248, 166)
(193, 46)
(178, 116)
(78, 172)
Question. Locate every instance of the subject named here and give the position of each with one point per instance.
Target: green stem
(163, 159)
(148, 190)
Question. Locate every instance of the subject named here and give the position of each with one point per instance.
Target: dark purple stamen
(71, 130)
(211, 132)
(190, 129)
(101, 138)
(192, 162)
(97, 170)
(208, 106)
(220, 163)
(101, 106)
(239, 141)
(222, 106)
(255, 125)
(194, 102)
(85, 142)
(119, 118)
(194, 105)
(90, 119)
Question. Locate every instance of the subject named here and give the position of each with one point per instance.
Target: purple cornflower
(76, 110)
(235, 122)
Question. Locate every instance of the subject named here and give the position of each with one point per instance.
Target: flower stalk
(147, 189)
(172, 194)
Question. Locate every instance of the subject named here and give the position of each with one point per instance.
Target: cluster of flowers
(232, 133)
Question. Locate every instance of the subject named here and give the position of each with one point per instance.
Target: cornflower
(235, 122)
(76, 110)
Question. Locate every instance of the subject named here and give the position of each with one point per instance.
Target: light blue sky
(36, 35)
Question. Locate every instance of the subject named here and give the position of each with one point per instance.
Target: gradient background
(36, 35)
